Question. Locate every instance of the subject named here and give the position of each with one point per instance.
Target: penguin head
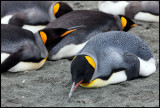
(58, 9)
(127, 23)
(52, 36)
(82, 69)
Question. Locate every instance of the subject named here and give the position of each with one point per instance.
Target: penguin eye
(56, 8)
(124, 22)
(43, 36)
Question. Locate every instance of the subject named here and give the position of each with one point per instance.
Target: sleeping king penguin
(21, 50)
(93, 22)
(110, 58)
(32, 15)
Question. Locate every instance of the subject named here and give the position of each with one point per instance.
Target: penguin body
(31, 15)
(113, 57)
(139, 10)
(21, 50)
(93, 22)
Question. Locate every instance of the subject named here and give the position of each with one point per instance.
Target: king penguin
(139, 10)
(32, 15)
(110, 58)
(21, 50)
(93, 22)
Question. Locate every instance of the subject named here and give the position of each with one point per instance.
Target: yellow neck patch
(67, 32)
(124, 22)
(90, 61)
(56, 8)
(95, 83)
(43, 36)
(74, 58)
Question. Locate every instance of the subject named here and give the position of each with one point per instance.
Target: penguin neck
(50, 12)
(52, 42)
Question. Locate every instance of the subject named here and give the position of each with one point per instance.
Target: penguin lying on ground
(32, 15)
(110, 58)
(21, 50)
(140, 10)
(93, 21)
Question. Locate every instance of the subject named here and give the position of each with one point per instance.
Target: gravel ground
(50, 85)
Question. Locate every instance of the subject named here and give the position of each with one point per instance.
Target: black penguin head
(127, 23)
(58, 9)
(82, 69)
(52, 36)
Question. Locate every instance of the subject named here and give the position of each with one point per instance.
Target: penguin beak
(136, 25)
(73, 88)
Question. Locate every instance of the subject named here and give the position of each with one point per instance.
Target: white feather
(146, 17)
(114, 8)
(22, 66)
(33, 28)
(147, 67)
(4, 56)
(68, 51)
(5, 19)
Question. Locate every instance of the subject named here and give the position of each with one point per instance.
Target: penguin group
(101, 49)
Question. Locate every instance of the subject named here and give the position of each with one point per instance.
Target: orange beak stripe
(77, 84)
(134, 25)
(67, 32)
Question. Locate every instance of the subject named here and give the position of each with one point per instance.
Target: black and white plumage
(139, 10)
(21, 50)
(110, 58)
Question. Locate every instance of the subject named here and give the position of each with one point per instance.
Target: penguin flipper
(133, 65)
(15, 58)
(17, 19)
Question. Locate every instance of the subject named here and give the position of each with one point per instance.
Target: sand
(49, 86)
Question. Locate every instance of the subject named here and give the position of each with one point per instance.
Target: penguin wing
(23, 54)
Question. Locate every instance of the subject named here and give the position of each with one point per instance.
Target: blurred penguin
(139, 10)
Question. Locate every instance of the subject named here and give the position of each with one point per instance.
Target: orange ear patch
(43, 36)
(56, 8)
(124, 22)
(90, 61)
(67, 32)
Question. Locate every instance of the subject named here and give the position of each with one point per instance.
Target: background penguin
(21, 50)
(93, 22)
(52, 36)
(140, 10)
(32, 15)
(110, 58)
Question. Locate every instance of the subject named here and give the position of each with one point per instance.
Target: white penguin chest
(68, 51)
(113, 8)
(22, 66)
(32, 28)
(5, 19)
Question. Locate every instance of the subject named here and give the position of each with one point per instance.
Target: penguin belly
(146, 17)
(147, 67)
(5, 19)
(26, 66)
(4, 56)
(22, 66)
(113, 8)
(113, 79)
(68, 51)
(33, 28)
